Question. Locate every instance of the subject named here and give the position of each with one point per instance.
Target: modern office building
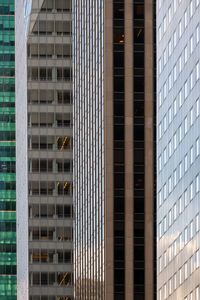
(44, 149)
(114, 149)
(8, 280)
(178, 150)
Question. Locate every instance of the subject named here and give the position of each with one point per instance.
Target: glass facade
(8, 279)
(178, 121)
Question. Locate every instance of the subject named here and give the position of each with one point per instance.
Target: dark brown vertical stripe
(129, 149)
(149, 150)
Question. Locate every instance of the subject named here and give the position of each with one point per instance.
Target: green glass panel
(8, 279)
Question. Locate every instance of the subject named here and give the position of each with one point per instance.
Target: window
(185, 54)
(185, 18)
(191, 155)
(175, 281)
(197, 71)
(165, 224)
(175, 177)
(180, 133)
(170, 81)
(197, 107)
(197, 147)
(197, 293)
(191, 81)
(170, 14)
(175, 248)
(197, 259)
(185, 198)
(175, 39)
(170, 115)
(170, 185)
(170, 217)
(160, 33)
(160, 264)
(165, 156)
(180, 98)
(185, 235)
(186, 270)
(197, 34)
(175, 211)
(191, 44)
(180, 205)
(185, 125)
(164, 24)
(197, 183)
(191, 191)
(186, 162)
(170, 48)
(191, 230)
(180, 170)
(165, 259)
(165, 191)
(180, 64)
(175, 107)
(160, 197)
(197, 223)
(186, 89)
(170, 148)
(170, 286)
(170, 253)
(165, 123)
(191, 8)
(175, 141)
(180, 28)
(175, 73)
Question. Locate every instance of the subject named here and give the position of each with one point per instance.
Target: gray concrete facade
(47, 98)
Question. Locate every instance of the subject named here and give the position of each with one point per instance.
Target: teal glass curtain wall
(8, 284)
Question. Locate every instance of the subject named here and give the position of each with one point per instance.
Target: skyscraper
(7, 153)
(178, 149)
(114, 101)
(44, 149)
